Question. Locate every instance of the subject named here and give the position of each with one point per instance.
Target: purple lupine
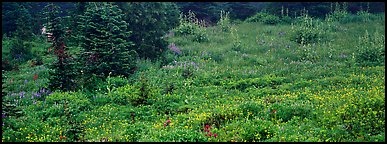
(25, 81)
(195, 65)
(22, 94)
(42, 90)
(37, 94)
(34, 102)
(173, 48)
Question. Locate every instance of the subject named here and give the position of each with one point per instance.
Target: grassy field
(251, 83)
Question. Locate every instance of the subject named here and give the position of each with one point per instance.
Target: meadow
(239, 81)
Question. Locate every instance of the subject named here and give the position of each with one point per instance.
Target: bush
(307, 31)
(125, 95)
(371, 50)
(77, 102)
(264, 18)
(190, 25)
(224, 21)
(20, 50)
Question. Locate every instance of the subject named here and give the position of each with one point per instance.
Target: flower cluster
(209, 133)
(167, 123)
(173, 48)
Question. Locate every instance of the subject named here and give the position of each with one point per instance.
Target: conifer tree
(23, 24)
(105, 48)
(63, 73)
(149, 23)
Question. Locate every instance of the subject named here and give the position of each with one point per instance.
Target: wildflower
(209, 134)
(207, 126)
(22, 94)
(215, 135)
(173, 47)
(42, 90)
(25, 81)
(168, 121)
(165, 124)
(60, 137)
(35, 76)
(34, 102)
(2, 115)
(274, 111)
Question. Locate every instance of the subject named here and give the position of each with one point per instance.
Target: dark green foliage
(20, 50)
(63, 73)
(144, 92)
(23, 26)
(8, 18)
(149, 22)
(104, 41)
(8, 108)
(209, 11)
(264, 18)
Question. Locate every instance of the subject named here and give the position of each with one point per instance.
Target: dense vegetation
(131, 71)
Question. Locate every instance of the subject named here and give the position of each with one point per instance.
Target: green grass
(270, 89)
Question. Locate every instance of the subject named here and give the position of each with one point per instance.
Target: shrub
(77, 102)
(224, 21)
(264, 18)
(125, 95)
(371, 50)
(258, 130)
(20, 50)
(307, 31)
(190, 25)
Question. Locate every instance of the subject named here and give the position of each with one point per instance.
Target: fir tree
(105, 48)
(63, 73)
(155, 19)
(23, 24)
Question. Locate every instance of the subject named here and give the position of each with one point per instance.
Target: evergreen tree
(8, 108)
(63, 73)
(23, 24)
(105, 48)
(149, 22)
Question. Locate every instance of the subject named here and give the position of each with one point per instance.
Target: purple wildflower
(25, 81)
(37, 94)
(34, 102)
(43, 90)
(2, 115)
(173, 48)
(22, 94)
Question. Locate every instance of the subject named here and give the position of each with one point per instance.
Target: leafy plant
(224, 21)
(307, 31)
(371, 50)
